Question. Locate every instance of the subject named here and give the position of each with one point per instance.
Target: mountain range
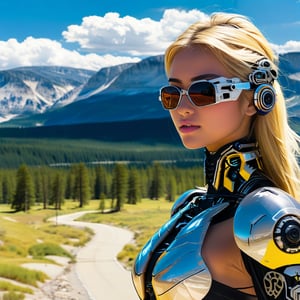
(56, 96)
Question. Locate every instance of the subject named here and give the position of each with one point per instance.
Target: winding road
(96, 266)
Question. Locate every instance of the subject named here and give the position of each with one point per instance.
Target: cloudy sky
(92, 34)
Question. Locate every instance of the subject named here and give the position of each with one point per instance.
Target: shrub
(43, 249)
(22, 274)
(20, 251)
(82, 236)
(7, 286)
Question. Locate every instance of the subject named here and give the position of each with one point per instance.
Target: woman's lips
(188, 128)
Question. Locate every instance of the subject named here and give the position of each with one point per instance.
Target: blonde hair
(238, 44)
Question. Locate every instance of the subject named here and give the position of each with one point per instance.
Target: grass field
(28, 237)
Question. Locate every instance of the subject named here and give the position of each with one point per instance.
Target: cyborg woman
(239, 238)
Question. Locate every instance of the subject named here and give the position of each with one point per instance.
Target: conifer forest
(46, 172)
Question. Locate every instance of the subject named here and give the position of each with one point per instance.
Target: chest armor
(171, 261)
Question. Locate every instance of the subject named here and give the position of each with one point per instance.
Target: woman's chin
(191, 145)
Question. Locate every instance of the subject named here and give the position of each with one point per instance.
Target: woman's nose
(185, 106)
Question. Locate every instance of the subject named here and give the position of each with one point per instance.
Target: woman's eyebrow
(204, 77)
(198, 77)
(174, 80)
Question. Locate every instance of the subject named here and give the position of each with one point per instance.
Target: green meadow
(29, 237)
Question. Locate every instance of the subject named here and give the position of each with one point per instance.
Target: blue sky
(93, 33)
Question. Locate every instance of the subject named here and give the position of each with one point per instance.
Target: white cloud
(127, 35)
(290, 46)
(45, 52)
(107, 40)
(114, 34)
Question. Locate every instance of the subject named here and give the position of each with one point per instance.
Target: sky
(93, 34)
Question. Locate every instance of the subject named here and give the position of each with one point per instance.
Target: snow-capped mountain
(59, 96)
(101, 81)
(32, 90)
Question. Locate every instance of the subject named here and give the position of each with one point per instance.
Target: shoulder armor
(185, 198)
(144, 257)
(180, 272)
(267, 227)
(171, 260)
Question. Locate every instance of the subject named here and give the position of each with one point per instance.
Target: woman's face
(208, 126)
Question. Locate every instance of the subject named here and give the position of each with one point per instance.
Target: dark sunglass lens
(169, 97)
(202, 93)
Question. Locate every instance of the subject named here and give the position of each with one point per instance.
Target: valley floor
(96, 273)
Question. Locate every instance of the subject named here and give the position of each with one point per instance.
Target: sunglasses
(204, 92)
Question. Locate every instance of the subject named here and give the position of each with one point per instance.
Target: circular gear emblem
(287, 234)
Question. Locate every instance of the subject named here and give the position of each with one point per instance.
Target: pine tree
(42, 186)
(134, 187)
(70, 184)
(7, 188)
(101, 184)
(24, 195)
(82, 186)
(171, 188)
(158, 184)
(45, 186)
(58, 191)
(120, 185)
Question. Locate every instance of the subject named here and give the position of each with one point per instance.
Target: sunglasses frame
(226, 89)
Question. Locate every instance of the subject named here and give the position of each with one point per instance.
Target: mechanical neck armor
(228, 169)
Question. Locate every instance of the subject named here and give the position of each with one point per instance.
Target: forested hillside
(122, 183)
(64, 152)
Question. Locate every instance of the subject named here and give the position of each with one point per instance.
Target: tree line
(38, 152)
(119, 182)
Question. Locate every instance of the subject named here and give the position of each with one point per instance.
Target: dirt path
(97, 268)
